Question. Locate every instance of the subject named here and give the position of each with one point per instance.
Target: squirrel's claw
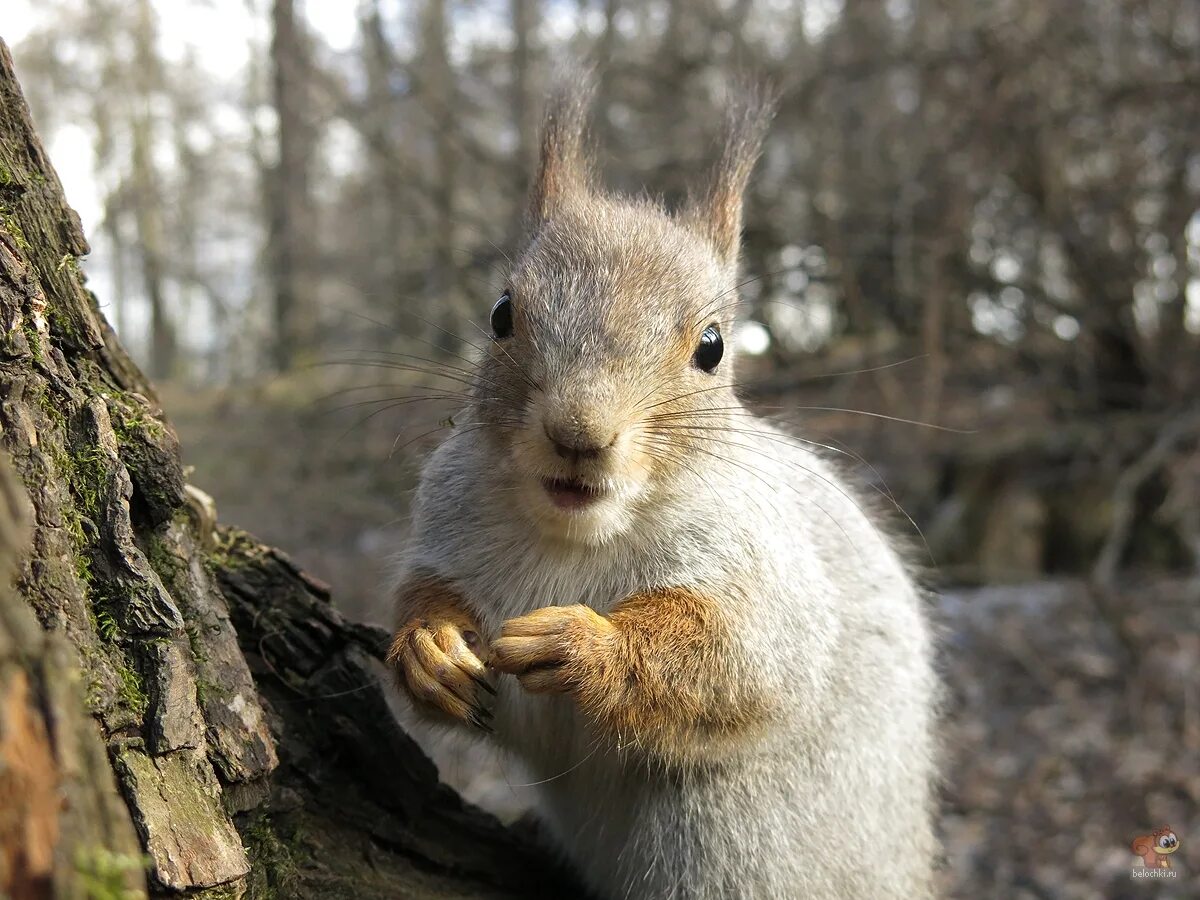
(442, 672)
(483, 684)
(477, 719)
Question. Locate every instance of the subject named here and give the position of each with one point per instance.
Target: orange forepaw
(554, 649)
(655, 672)
(439, 654)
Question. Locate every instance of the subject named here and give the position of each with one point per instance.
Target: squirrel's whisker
(795, 465)
(764, 477)
(413, 358)
(482, 351)
(516, 367)
(673, 452)
(396, 402)
(468, 381)
(405, 367)
(711, 311)
(359, 388)
(469, 428)
(832, 409)
(880, 488)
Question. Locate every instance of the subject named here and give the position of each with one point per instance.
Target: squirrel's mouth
(570, 493)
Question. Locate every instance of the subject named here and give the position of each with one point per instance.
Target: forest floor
(1072, 716)
(1073, 726)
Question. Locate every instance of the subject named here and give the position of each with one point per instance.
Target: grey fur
(833, 797)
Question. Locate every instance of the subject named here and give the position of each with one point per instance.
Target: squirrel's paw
(554, 649)
(439, 661)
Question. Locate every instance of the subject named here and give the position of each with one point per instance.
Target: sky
(205, 28)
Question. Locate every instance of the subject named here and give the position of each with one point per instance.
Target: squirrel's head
(612, 346)
(1165, 840)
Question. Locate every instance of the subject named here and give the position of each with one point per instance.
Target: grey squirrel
(675, 614)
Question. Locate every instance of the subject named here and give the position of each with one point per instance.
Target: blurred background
(982, 218)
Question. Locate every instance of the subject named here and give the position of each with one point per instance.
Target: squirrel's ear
(563, 167)
(717, 212)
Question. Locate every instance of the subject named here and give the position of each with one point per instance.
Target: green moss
(83, 568)
(220, 892)
(131, 688)
(34, 340)
(63, 325)
(66, 470)
(13, 227)
(103, 874)
(50, 408)
(82, 471)
(106, 625)
(164, 559)
(199, 651)
(95, 695)
(95, 684)
(209, 690)
(205, 689)
(273, 860)
(131, 419)
(234, 549)
(88, 470)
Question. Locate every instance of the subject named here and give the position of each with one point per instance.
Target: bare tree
(524, 27)
(288, 190)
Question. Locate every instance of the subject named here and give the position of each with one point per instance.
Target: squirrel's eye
(710, 349)
(502, 316)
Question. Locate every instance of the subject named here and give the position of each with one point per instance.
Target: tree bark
(182, 710)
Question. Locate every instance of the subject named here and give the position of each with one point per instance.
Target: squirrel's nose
(575, 447)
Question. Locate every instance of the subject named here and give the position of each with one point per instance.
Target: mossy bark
(239, 741)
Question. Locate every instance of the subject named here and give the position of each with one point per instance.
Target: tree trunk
(441, 105)
(147, 197)
(288, 189)
(192, 715)
(525, 14)
(381, 115)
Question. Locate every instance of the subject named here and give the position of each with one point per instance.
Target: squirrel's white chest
(519, 586)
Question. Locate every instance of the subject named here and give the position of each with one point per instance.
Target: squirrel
(681, 618)
(1155, 848)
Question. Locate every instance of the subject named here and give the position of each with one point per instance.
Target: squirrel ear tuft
(564, 167)
(717, 212)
